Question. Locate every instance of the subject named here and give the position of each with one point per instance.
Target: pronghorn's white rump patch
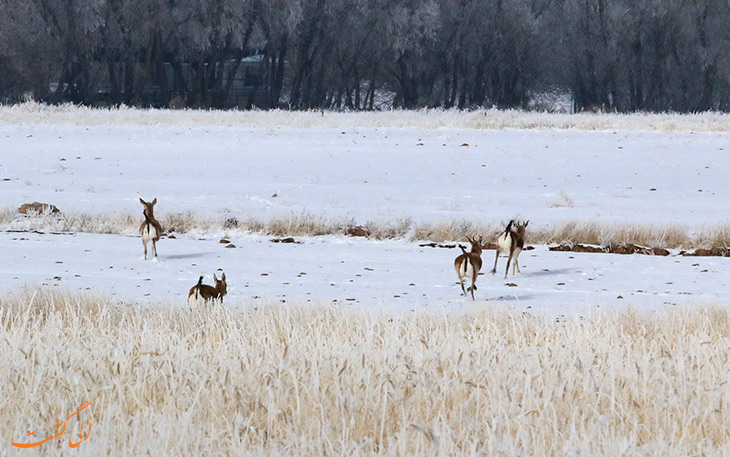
(504, 242)
(149, 232)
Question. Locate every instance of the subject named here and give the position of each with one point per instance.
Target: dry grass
(660, 236)
(489, 119)
(561, 200)
(668, 236)
(325, 381)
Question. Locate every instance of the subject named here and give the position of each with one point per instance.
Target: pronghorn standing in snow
(511, 242)
(204, 292)
(150, 228)
(468, 264)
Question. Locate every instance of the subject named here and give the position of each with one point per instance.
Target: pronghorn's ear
(528, 221)
(214, 278)
(142, 201)
(154, 202)
(223, 277)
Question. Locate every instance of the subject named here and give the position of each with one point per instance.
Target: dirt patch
(38, 208)
(576, 248)
(286, 240)
(624, 249)
(437, 245)
(714, 252)
(485, 247)
(635, 249)
(357, 231)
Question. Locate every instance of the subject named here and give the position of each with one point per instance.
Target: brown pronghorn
(150, 228)
(203, 292)
(511, 242)
(468, 264)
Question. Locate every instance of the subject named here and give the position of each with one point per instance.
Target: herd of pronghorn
(151, 230)
(510, 242)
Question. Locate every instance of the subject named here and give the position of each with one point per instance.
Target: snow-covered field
(401, 364)
(421, 167)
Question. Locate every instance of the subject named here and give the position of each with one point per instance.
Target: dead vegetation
(301, 380)
(491, 119)
(605, 235)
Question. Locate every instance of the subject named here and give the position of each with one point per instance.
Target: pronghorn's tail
(147, 220)
(509, 227)
(466, 258)
(197, 288)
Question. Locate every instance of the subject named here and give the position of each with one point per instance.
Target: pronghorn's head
(476, 244)
(220, 285)
(520, 227)
(148, 207)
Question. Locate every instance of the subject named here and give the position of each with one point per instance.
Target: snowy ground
(372, 174)
(366, 174)
(379, 275)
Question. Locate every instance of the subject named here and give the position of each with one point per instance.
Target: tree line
(622, 55)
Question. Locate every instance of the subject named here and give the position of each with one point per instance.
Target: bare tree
(620, 55)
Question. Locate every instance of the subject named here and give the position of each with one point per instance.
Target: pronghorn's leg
(516, 261)
(461, 283)
(154, 247)
(473, 284)
(509, 261)
(494, 270)
(462, 276)
(144, 243)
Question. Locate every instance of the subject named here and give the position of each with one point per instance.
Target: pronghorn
(511, 242)
(468, 264)
(150, 228)
(204, 292)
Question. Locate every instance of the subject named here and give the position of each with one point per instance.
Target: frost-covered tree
(58, 38)
(213, 37)
(408, 30)
(618, 54)
(276, 23)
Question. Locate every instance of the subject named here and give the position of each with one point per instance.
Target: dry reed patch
(667, 236)
(326, 381)
(490, 119)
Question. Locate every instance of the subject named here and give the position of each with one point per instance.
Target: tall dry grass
(487, 119)
(668, 236)
(320, 381)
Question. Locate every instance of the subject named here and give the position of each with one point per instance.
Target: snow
(364, 173)
(383, 276)
(372, 174)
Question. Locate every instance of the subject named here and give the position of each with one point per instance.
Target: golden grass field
(322, 380)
